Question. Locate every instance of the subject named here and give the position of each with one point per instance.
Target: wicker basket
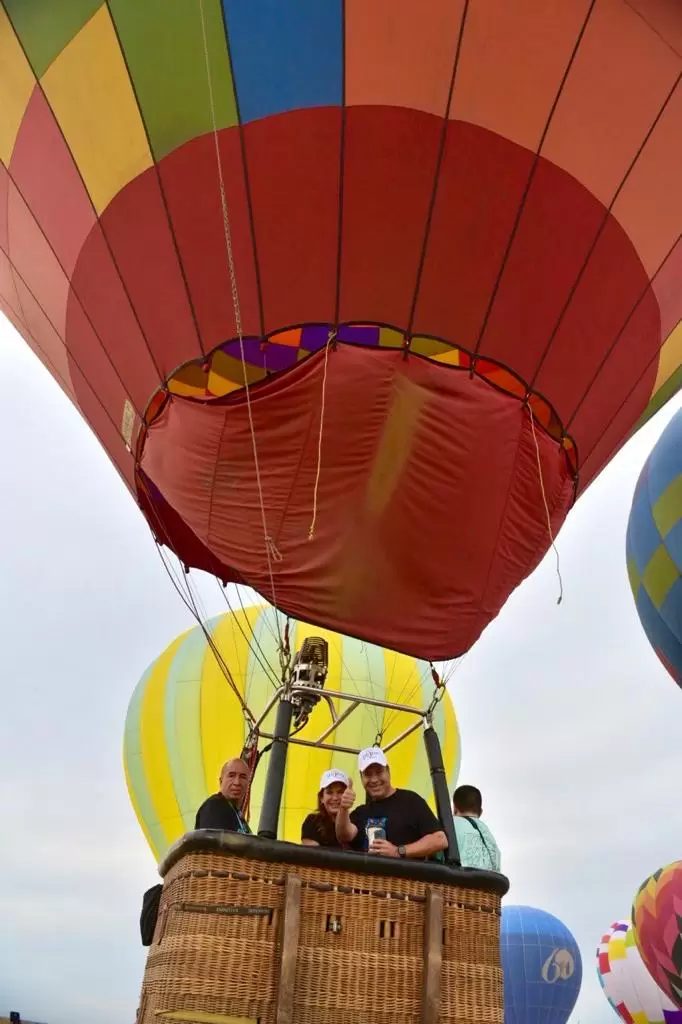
(300, 940)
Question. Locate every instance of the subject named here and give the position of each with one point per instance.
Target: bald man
(221, 811)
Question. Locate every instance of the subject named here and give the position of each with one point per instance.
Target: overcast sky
(569, 724)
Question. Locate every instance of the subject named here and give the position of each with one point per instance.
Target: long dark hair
(324, 823)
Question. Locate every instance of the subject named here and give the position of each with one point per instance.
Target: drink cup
(374, 832)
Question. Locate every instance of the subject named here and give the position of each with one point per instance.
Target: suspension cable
(271, 551)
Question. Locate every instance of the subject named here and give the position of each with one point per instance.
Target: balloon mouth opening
(253, 361)
(360, 470)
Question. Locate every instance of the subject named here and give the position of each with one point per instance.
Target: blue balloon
(654, 548)
(542, 967)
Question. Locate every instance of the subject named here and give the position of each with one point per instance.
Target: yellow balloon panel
(185, 720)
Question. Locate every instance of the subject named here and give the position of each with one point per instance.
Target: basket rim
(252, 847)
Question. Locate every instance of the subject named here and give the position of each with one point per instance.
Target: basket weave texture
(217, 950)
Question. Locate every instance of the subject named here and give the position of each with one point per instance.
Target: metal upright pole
(274, 783)
(440, 789)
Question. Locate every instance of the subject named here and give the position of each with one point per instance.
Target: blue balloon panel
(542, 967)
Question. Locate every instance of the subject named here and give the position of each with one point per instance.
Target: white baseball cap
(333, 775)
(371, 755)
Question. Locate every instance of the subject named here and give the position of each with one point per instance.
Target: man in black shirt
(221, 811)
(394, 822)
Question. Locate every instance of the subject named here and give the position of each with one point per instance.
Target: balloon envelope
(542, 967)
(478, 203)
(654, 548)
(184, 721)
(626, 982)
(657, 922)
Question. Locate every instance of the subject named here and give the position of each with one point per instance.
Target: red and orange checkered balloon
(657, 922)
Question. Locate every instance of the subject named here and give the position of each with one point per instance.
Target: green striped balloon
(184, 721)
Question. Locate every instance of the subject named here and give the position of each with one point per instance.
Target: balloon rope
(270, 547)
(544, 499)
(311, 531)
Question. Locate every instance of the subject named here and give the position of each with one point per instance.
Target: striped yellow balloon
(184, 721)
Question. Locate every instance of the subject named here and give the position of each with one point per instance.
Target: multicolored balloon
(542, 967)
(654, 548)
(358, 295)
(185, 720)
(626, 982)
(657, 922)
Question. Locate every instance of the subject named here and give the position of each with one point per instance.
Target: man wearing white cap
(393, 822)
(319, 829)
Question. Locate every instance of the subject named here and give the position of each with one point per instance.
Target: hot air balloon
(654, 548)
(357, 296)
(657, 924)
(626, 982)
(542, 967)
(185, 719)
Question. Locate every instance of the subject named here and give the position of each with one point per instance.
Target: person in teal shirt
(477, 846)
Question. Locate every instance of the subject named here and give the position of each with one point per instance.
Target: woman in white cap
(319, 829)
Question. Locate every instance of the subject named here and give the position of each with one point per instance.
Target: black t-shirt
(219, 812)
(310, 829)
(405, 816)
